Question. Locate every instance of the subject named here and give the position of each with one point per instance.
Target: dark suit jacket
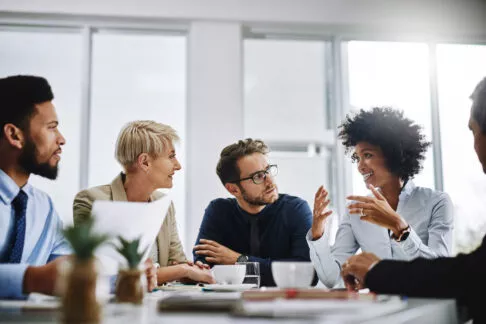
(462, 277)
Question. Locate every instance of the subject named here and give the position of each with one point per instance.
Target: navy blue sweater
(282, 228)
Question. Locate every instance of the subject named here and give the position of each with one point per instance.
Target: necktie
(254, 236)
(17, 242)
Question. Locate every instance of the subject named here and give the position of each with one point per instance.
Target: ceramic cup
(229, 274)
(292, 274)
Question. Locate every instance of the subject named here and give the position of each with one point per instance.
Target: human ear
(14, 135)
(232, 189)
(143, 161)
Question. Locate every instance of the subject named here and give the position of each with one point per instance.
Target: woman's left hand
(376, 210)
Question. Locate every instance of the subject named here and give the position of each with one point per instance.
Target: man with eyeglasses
(258, 224)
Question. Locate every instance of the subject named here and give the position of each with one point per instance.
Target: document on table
(129, 220)
(328, 310)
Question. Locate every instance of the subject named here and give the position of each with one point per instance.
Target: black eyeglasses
(260, 176)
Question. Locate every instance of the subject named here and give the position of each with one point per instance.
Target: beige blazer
(168, 242)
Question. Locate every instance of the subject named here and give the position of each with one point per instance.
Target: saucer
(228, 287)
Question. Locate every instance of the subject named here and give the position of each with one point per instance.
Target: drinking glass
(252, 275)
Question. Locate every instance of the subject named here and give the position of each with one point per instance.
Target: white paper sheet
(129, 220)
(332, 311)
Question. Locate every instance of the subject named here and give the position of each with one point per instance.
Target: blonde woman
(145, 149)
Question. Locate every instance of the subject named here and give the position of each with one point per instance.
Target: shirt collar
(8, 188)
(407, 190)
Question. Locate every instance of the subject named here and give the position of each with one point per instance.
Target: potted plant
(79, 298)
(129, 288)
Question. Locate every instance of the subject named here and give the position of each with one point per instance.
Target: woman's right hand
(320, 213)
(196, 274)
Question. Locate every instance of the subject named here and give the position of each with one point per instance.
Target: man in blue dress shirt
(259, 224)
(31, 240)
(30, 228)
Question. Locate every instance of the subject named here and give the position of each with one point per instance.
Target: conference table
(386, 309)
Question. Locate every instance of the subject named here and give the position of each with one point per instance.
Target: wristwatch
(403, 235)
(242, 258)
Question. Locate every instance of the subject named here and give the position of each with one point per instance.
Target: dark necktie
(17, 241)
(254, 236)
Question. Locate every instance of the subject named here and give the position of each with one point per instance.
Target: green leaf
(82, 239)
(129, 250)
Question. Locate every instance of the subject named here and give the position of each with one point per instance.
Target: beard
(259, 200)
(29, 163)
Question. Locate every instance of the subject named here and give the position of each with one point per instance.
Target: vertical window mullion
(85, 106)
(435, 117)
(341, 176)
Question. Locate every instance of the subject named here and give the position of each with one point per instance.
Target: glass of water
(252, 275)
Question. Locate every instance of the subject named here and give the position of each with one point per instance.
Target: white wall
(425, 16)
(214, 112)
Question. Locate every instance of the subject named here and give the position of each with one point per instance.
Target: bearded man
(258, 224)
(30, 228)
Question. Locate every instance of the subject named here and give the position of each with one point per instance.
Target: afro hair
(400, 139)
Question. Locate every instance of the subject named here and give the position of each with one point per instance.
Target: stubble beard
(257, 201)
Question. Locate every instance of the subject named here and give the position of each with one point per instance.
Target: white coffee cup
(292, 274)
(232, 274)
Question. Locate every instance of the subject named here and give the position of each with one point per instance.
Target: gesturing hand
(376, 210)
(355, 269)
(215, 252)
(320, 212)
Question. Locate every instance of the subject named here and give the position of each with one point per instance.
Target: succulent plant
(129, 249)
(82, 239)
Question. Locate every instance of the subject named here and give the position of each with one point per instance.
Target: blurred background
(285, 71)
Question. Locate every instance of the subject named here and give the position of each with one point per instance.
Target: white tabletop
(388, 310)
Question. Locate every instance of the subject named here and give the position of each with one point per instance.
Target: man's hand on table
(355, 269)
(42, 279)
(215, 252)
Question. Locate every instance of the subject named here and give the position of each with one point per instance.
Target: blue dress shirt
(429, 214)
(43, 238)
(282, 229)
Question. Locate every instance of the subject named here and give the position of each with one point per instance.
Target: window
(396, 75)
(285, 105)
(284, 82)
(55, 55)
(460, 68)
(136, 77)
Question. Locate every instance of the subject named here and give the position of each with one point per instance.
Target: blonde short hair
(143, 136)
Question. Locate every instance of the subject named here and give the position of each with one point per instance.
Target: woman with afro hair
(399, 220)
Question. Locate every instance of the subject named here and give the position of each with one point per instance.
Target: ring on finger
(361, 212)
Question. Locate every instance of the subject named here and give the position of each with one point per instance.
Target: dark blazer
(462, 277)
